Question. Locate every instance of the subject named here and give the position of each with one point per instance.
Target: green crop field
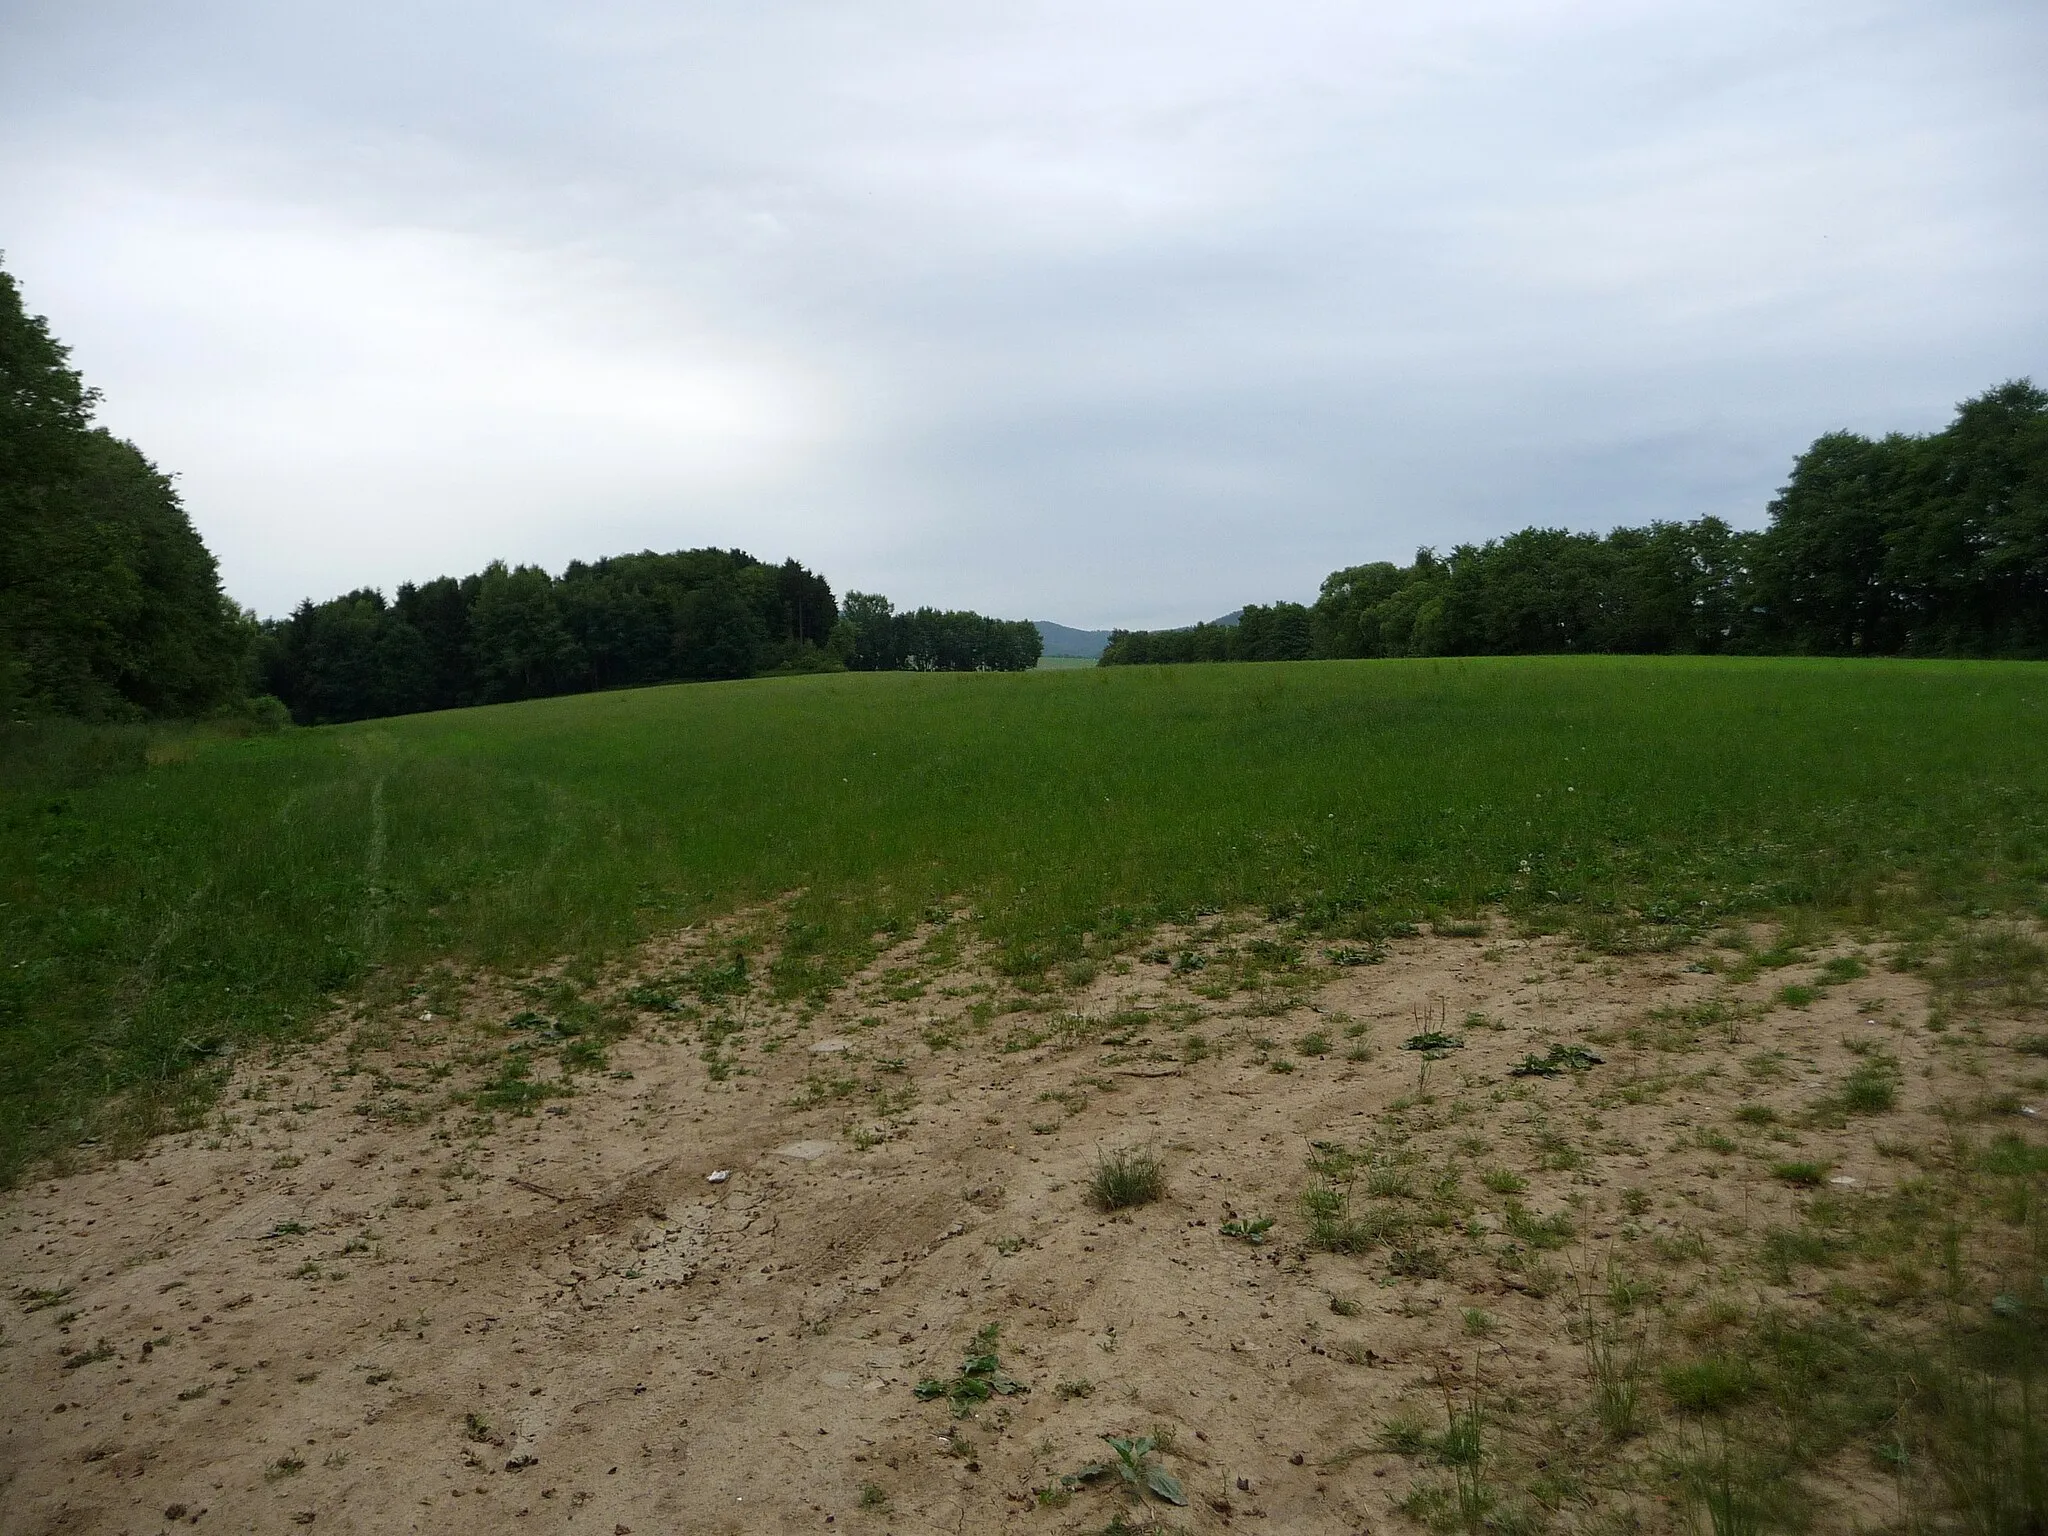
(155, 916)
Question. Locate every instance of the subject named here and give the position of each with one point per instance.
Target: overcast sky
(1109, 313)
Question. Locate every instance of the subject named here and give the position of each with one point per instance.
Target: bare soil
(353, 1303)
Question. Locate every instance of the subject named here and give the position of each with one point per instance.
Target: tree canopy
(1934, 545)
(516, 633)
(110, 605)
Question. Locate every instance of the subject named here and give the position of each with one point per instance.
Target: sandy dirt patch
(353, 1304)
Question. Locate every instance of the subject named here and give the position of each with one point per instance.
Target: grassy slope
(152, 917)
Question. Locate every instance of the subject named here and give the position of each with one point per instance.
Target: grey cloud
(1109, 314)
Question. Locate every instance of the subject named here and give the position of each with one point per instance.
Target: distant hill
(1062, 641)
(1088, 643)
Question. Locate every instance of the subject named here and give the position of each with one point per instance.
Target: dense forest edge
(110, 604)
(1931, 545)
(111, 607)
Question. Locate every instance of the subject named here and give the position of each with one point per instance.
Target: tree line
(1927, 545)
(110, 604)
(519, 633)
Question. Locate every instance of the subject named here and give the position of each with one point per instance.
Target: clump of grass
(1334, 1229)
(1873, 1088)
(1709, 1385)
(1801, 1174)
(1730, 1490)
(2004, 968)
(1615, 1359)
(1786, 1249)
(1540, 1232)
(1129, 1176)
(1504, 1181)
(1988, 1426)
(514, 1088)
(1417, 1261)
(1333, 1225)
(1384, 1182)
(1625, 1291)
(1315, 1043)
(1406, 1433)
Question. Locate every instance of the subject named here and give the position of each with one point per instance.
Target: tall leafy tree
(110, 604)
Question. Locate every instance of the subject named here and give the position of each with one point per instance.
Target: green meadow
(170, 896)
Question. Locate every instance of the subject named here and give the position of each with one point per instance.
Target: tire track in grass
(374, 896)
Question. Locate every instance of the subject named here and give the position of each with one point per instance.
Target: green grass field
(154, 917)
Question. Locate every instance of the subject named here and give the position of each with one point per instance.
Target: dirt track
(323, 1316)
